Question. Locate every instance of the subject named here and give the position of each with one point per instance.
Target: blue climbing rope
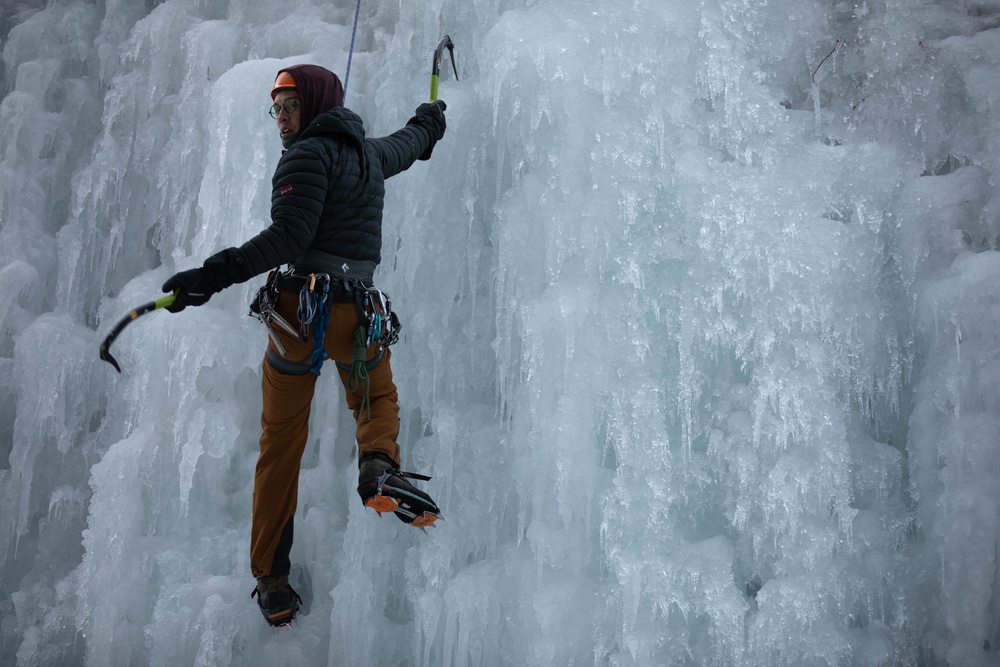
(354, 32)
(320, 323)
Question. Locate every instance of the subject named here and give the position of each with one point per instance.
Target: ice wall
(698, 336)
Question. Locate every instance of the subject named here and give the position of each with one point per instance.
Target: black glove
(431, 116)
(194, 289)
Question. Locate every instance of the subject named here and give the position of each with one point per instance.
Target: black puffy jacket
(327, 194)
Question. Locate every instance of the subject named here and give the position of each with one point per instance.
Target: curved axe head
(445, 43)
(162, 302)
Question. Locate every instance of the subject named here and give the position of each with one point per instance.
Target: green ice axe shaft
(133, 314)
(445, 43)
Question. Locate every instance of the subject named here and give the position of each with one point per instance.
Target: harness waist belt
(317, 261)
(341, 291)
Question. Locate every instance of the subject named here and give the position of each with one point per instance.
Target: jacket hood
(318, 88)
(342, 123)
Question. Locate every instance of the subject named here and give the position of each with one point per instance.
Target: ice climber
(327, 197)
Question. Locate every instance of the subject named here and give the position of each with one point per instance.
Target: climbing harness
(379, 327)
(312, 310)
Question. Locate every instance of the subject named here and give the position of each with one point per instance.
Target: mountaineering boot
(385, 489)
(277, 600)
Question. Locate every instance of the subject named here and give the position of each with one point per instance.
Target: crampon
(390, 492)
(278, 603)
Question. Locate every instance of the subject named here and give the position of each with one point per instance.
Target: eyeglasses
(290, 106)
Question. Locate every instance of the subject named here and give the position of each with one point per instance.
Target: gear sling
(340, 317)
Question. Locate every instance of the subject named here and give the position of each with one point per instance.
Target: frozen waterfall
(700, 308)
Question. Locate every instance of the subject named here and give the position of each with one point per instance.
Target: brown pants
(287, 395)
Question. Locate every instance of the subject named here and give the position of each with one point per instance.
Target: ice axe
(445, 43)
(133, 314)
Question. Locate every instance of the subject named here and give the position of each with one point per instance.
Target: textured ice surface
(700, 312)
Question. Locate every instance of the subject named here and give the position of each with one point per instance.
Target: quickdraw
(263, 307)
(312, 297)
(382, 325)
(312, 310)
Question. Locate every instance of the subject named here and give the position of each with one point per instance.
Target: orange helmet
(282, 82)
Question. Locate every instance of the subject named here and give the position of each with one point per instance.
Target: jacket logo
(285, 189)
